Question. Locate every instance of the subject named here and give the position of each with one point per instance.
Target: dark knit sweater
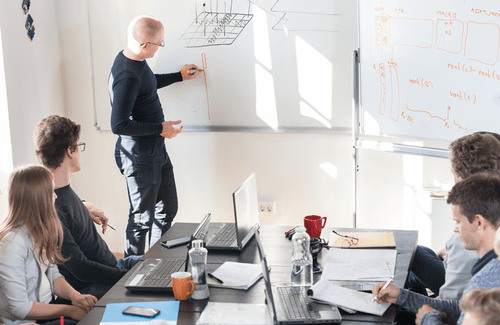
(90, 261)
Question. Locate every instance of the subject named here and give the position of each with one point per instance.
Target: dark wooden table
(278, 250)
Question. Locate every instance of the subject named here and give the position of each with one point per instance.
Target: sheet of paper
(359, 264)
(326, 292)
(233, 313)
(370, 268)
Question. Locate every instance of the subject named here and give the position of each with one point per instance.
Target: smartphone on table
(176, 242)
(140, 311)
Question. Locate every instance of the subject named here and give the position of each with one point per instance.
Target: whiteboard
(429, 69)
(270, 64)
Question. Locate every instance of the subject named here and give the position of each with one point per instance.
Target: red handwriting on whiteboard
(445, 119)
(407, 117)
(463, 96)
(489, 74)
(461, 67)
(424, 83)
(447, 14)
(485, 12)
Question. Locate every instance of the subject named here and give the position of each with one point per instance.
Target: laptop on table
(153, 274)
(289, 304)
(234, 236)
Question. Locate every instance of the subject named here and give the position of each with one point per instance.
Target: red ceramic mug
(314, 225)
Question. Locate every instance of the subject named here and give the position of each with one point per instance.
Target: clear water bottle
(302, 261)
(198, 263)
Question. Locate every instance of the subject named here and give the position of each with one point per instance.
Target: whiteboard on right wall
(429, 70)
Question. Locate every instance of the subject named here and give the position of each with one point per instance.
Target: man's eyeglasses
(82, 145)
(162, 44)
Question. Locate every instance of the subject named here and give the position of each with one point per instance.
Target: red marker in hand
(192, 71)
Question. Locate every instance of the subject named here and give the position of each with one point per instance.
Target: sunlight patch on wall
(265, 100)
(6, 163)
(262, 48)
(329, 168)
(314, 73)
(306, 110)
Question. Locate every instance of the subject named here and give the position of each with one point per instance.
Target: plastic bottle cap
(197, 243)
(300, 229)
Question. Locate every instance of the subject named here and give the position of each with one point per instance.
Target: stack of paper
(325, 292)
(236, 275)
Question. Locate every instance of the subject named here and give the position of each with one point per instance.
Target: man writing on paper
(137, 118)
(476, 210)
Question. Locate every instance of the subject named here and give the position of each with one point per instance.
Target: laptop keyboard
(294, 301)
(225, 236)
(160, 275)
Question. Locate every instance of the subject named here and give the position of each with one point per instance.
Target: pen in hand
(110, 226)
(385, 286)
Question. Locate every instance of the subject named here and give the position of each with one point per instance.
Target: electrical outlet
(267, 207)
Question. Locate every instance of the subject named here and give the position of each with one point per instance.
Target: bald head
(144, 29)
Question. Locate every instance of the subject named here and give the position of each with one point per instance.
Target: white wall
(208, 166)
(33, 71)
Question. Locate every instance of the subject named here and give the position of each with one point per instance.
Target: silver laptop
(289, 304)
(234, 236)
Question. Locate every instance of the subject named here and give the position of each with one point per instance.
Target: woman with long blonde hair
(30, 247)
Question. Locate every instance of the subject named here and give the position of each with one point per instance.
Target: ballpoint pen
(385, 286)
(215, 278)
(110, 226)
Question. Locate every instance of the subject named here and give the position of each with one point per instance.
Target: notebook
(153, 274)
(373, 239)
(289, 304)
(234, 236)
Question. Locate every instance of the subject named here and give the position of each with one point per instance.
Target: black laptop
(234, 236)
(153, 274)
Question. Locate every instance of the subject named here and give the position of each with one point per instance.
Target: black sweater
(90, 261)
(136, 112)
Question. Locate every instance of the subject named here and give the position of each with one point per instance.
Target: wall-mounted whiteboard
(270, 64)
(429, 69)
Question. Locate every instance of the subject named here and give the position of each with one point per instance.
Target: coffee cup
(314, 225)
(182, 285)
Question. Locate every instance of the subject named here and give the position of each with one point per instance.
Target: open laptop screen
(246, 207)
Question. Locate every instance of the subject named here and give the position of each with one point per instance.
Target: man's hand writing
(389, 294)
(169, 131)
(188, 75)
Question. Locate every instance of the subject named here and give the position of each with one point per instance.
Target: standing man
(137, 118)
